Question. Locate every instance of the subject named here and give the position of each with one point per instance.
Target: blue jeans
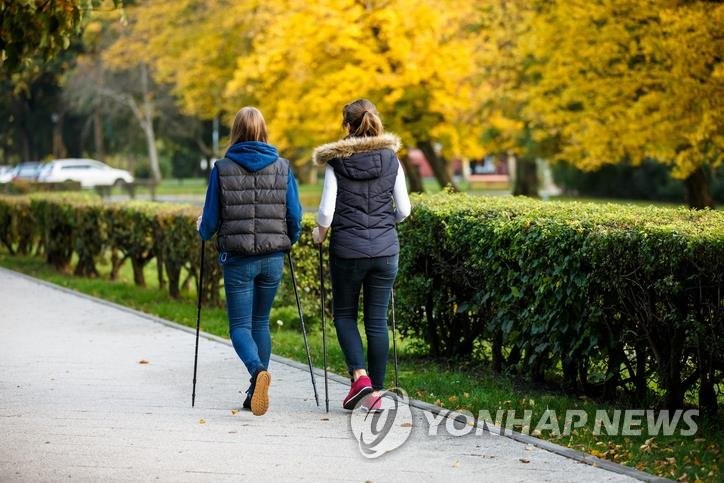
(375, 276)
(250, 286)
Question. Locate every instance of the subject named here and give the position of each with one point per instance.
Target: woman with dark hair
(252, 205)
(364, 197)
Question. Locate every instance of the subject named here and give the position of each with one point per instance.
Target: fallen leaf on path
(456, 464)
(202, 421)
(324, 419)
(234, 411)
(524, 460)
(406, 425)
(143, 361)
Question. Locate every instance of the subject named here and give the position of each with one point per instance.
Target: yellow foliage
(630, 79)
(595, 82)
(301, 62)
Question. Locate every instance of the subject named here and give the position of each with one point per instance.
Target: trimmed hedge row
(611, 299)
(59, 225)
(616, 299)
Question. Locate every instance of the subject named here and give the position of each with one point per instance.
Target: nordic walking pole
(324, 330)
(198, 319)
(304, 330)
(394, 340)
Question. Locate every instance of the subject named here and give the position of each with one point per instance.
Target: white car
(6, 174)
(89, 172)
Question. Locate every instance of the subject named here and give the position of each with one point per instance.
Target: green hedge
(20, 186)
(609, 300)
(615, 299)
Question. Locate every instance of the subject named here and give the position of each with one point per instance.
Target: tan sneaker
(260, 393)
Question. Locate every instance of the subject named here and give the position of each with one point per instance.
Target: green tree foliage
(35, 31)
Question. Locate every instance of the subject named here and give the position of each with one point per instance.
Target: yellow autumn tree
(193, 46)
(300, 62)
(414, 59)
(625, 80)
(506, 67)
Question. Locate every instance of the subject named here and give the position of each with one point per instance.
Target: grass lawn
(454, 384)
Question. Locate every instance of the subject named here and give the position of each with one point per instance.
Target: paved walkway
(75, 403)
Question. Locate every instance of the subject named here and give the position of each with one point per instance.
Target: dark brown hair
(249, 125)
(361, 119)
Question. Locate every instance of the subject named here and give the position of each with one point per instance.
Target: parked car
(6, 174)
(27, 171)
(89, 172)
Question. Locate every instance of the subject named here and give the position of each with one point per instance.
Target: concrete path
(76, 403)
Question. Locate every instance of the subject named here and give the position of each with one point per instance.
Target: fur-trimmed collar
(345, 148)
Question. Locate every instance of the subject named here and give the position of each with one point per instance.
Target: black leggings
(376, 276)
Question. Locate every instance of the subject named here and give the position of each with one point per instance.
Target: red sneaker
(372, 403)
(360, 388)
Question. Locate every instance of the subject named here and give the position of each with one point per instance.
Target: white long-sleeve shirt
(329, 197)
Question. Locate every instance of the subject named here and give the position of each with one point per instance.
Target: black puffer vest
(253, 208)
(364, 217)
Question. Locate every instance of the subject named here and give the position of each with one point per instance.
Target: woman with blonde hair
(252, 205)
(364, 197)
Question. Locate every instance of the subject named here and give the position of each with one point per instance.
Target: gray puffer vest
(253, 208)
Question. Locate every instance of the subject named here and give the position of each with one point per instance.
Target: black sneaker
(259, 401)
(247, 402)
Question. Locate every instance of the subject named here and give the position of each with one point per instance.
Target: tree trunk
(58, 148)
(570, 374)
(497, 351)
(640, 378)
(21, 110)
(707, 394)
(159, 272)
(526, 178)
(98, 135)
(174, 279)
(412, 174)
(138, 276)
(152, 152)
(86, 267)
(9, 246)
(613, 371)
(310, 174)
(438, 165)
(537, 369)
(115, 264)
(697, 190)
(514, 356)
(671, 351)
(147, 125)
(433, 337)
